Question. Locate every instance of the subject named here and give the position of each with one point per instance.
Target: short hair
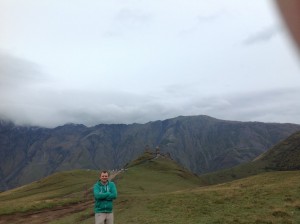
(104, 171)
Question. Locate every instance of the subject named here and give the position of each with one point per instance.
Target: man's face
(104, 177)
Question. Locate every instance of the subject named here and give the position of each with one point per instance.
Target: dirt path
(47, 215)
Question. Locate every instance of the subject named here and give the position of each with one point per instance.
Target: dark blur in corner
(290, 12)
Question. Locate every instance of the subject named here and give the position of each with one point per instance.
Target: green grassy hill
(157, 190)
(151, 175)
(265, 198)
(160, 191)
(285, 156)
(56, 190)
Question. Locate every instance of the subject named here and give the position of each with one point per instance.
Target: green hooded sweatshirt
(104, 196)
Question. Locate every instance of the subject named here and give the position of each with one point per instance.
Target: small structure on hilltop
(157, 151)
(147, 148)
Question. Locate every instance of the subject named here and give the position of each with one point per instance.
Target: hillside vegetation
(156, 190)
(284, 156)
(266, 198)
(56, 190)
(152, 175)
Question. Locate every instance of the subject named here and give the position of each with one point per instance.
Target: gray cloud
(52, 107)
(127, 20)
(19, 79)
(201, 20)
(15, 71)
(25, 100)
(210, 17)
(278, 105)
(263, 35)
(264, 106)
(132, 17)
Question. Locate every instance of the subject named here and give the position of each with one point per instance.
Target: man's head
(104, 176)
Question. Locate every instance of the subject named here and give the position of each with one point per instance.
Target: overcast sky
(135, 61)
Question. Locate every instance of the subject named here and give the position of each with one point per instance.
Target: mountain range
(201, 144)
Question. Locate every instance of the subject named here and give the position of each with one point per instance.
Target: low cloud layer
(29, 101)
(16, 72)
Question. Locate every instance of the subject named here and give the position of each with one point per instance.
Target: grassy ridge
(234, 173)
(155, 176)
(284, 156)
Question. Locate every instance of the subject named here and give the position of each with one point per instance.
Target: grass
(57, 190)
(84, 217)
(265, 198)
(283, 156)
(234, 173)
(155, 176)
(159, 191)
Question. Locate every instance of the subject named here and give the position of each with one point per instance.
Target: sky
(135, 61)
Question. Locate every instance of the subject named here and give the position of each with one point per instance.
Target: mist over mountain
(200, 143)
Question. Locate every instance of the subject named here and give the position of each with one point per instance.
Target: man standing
(105, 192)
